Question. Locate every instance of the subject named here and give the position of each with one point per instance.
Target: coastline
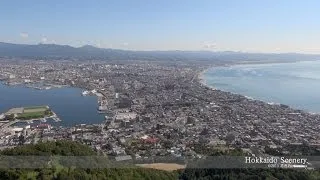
(203, 82)
(201, 79)
(55, 118)
(268, 62)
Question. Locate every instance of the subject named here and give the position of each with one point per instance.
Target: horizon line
(202, 50)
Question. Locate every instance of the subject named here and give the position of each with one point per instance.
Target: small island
(30, 113)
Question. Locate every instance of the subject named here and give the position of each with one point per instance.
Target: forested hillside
(68, 148)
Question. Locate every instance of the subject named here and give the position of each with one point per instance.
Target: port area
(38, 85)
(103, 106)
(28, 115)
(44, 86)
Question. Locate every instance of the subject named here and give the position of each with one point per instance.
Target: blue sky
(237, 25)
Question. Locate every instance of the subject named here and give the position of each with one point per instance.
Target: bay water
(68, 103)
(295, 84)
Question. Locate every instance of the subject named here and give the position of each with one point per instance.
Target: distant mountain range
(91, 52)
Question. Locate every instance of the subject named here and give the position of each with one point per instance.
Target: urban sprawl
(154, 109)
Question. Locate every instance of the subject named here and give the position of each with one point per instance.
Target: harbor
(28, 115)
(44, 86)
(67, 104)
(103, 107)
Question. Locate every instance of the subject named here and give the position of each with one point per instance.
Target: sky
(215, 25)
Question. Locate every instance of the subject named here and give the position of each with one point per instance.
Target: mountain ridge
(89, 51)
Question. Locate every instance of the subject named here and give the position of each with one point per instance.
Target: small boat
(84, 93)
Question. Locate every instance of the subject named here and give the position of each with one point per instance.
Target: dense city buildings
(154, 109)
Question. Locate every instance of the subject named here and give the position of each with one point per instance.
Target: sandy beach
(202, 79)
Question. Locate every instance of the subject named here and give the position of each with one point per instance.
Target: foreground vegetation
(254, 174)
(68, 148)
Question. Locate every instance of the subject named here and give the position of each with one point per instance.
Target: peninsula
(29, 113)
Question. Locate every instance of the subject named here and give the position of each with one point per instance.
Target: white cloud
(44, 39)
(125, 44)
(99, 44)
(209, 45)
(24, 35)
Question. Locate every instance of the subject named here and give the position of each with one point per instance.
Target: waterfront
(67, 103)
(295, 84)
(163, 109)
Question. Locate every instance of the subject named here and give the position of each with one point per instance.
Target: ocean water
(68, 103)
(294, 84)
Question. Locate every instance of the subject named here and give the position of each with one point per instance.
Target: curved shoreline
(65, 123)
(201, 78)
(202, 81)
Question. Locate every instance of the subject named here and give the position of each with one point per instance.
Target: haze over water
(67, 103)
(294, 84)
